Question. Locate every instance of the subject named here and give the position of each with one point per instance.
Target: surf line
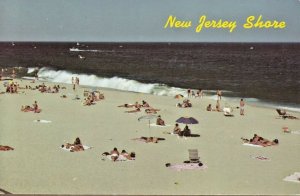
(224, 24)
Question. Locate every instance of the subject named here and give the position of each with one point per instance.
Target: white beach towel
(187, 166)
(155, 125)
(84, 147)
(293, 178)
(260, 157)
(42, 121)
(120, 158)
(252, 145)
(295, 132)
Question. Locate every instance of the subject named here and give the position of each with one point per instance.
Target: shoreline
(258, 103)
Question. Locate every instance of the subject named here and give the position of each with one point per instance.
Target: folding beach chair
(193, 156)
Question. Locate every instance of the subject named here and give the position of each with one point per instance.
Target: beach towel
(42, 121)
(295, 132)
(293, 178)
(155, 125)
(84, 147)
(187, 166)
(120, 158)
(252, 145)
(260, 157)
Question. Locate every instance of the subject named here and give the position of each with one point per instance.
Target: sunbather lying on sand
(151, 110)
(145, 104)
(149, 139)
(75, 147)
(257, 140)
(26, 108)
(114, 154)
(133, 111)
(5, 148)
(126, 105)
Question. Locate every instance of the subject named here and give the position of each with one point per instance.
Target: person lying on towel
(257, 140)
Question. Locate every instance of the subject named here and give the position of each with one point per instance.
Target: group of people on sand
(35, 108)
(258, 140)
(74, 147)
(115, 154)
(185, 104)
(44, 89)
(217, 109)
(185, 132)
(191, 93)
(92, 97)
(137, 107)
(12, 87)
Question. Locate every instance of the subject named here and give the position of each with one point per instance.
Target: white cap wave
(113, 83)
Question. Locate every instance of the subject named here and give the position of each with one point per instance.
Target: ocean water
(264, 72)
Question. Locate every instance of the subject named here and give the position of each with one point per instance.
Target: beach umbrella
(178, 96)
(149, 118)
(187, 120)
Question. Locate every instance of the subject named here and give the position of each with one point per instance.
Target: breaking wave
(123, 84)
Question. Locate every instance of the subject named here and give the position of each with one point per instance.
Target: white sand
(39, 166)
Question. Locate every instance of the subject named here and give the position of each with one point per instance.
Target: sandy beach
(38, 165)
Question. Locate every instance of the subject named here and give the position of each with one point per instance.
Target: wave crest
(113, 83)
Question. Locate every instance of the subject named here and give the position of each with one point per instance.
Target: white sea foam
(135, 86)
(113, 83)
(31, 69)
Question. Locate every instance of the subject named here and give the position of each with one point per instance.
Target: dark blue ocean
(269, 72)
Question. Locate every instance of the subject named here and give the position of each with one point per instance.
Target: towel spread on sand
(253, 145)
(120, 158)
(293, 178)
(295, 132)
(155, 125)
(260, 157)
(84, 147)
(187, 166)
(42, 121)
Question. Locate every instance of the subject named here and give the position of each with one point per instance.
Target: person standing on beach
(189, 93)
(77, 81)
(35, 107)
(219, 94)
(242, 104)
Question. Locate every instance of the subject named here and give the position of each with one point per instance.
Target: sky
(143, 20)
